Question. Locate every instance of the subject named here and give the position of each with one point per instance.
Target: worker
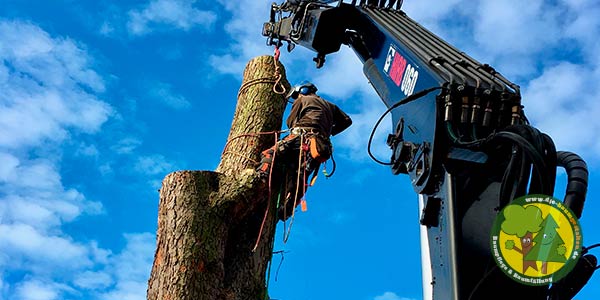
(311, 122)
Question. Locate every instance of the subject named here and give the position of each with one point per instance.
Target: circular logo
(536, 240)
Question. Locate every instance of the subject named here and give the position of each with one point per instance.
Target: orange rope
(262, 225)
(301, 158)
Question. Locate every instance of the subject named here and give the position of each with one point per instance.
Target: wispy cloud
(93, 280)
(153, 165)
(545, 48)
(357, 97)
(126, 145)
(50, 94)
(39, 290)
(163, 93)
(178, 14)
(24, 243)
(390, 296)
(131, 268)
(244, 28)
(563, 103)
(42, 81)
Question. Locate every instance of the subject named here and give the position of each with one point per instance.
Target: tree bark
(209, 221)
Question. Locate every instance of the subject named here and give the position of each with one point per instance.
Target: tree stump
(209, 221)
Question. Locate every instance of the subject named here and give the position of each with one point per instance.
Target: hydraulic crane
(463, 139)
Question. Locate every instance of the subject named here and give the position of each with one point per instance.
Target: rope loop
(278, 87)
(276, 133)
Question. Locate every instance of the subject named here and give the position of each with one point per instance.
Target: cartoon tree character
(522, 222)
(549, 246)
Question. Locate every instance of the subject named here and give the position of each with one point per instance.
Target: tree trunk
(209, 222)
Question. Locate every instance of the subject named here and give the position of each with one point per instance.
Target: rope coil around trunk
(278, 87)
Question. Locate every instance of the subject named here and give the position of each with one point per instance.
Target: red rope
(277, 53)
(262, 225)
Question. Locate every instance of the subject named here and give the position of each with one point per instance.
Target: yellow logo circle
(536, 240)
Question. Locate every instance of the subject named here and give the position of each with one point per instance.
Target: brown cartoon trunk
(526, 246)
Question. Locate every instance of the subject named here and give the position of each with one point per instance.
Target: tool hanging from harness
(301, 153)
(320, 150)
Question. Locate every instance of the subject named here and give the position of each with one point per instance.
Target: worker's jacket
(314, 112)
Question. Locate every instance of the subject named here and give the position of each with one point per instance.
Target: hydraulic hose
(577, 180)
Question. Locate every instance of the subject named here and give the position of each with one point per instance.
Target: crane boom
(459, 133)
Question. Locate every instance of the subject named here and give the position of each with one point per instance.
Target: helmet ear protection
(304, 89)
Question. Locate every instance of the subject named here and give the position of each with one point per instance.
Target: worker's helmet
(305, 88)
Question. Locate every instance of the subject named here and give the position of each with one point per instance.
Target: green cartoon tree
(522, 222)
(549, 245)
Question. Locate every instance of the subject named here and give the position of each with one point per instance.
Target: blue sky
(99, 100)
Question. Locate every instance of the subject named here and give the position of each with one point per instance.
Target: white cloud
(33, 194)
(8, 164)
(24, 243)
(390, 296)
(93, 280)
(430, 12)
(107, 276)
(354, 92)
(573, 97)
(50, 93)
(99, 255)
(34, 290)
(163, 93)
(131, 268)
(45, 83)
(126, 145)
(39, 290)
(88, 150)
(343, 64)
(245, 28)
(523, 49)
(532, 22)
(179, 14)
(153, 165)
(547, 48)
(355, 139)
(106, 28)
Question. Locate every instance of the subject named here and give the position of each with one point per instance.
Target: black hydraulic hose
(538, 161)
(406, 100)
(576, 279)
(551, 160)
(509, 187)
(577, 181)
(524, 175)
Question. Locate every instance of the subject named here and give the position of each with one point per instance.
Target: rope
(282, 252)
(262, 224)
(240, 155)
(298, 174)
(252, 82)
(278, 87)
(250, 134)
